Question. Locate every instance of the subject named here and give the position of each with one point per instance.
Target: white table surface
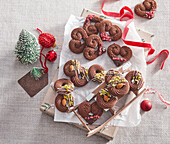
(20, 118)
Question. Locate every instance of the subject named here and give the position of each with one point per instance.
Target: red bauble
(46, 40)
(51, 56)
(146, 105)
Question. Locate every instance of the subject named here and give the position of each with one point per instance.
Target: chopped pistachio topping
(69, 98)
(76, 65)
(104, 92)
(100, 76)
(68, 87)
(116, 80)
(136, 78)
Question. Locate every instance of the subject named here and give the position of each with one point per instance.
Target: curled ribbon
(153, 91)
(129, 15)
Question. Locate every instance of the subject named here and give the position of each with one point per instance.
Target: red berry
(51, 56)
(146, 105)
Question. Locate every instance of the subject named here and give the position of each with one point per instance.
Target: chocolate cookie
(118, 54)
(115, 33)
(88, 27)
(94, 47)
(62, 102)
(77, 44)
(118, 86)
(72, 67)
(146, 9)
(80, 79)
(90, 112)
(105, 100)
(96, 73)
(63, 86)
(135, 80)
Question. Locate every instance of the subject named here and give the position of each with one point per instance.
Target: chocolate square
(32, 86)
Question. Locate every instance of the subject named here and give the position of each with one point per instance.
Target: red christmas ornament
(146, 105)
(51, 56)
(46, 40)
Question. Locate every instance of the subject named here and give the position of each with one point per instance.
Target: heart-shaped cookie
(109, 32)
(118, 54)
(146, 9)
(90, 112)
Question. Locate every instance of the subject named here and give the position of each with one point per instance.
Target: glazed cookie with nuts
(105, 100)
(118, 86)
(64, 101)
(72, 68)
(146, 9)
(96, 73)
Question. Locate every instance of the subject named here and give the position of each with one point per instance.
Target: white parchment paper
(131, 116)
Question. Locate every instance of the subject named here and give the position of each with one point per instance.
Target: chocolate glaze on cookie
(115, 33)
(88, 27)
(106, 104)
(111, 73)
(71, 68)
(96, 73)
(135, 80)
(80, 79)
(118, 54)
(90, 112)
(63, 86)
(117, 85)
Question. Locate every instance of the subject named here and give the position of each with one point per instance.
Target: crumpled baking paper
(131, 116)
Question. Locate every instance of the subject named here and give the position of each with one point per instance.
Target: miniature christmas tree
(27, 49)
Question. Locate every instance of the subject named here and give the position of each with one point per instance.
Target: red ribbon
(41, 54)
(163, 51)
(129, 15)
(153, 91)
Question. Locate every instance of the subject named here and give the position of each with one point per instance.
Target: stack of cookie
(117, 86)
(89, 40)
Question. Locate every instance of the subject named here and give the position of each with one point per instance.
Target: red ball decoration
(146, 105)
(51, 56)
(46, 40)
